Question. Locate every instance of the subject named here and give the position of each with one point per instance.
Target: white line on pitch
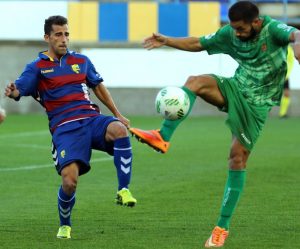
(26, 134)
(31, 146)
(32, 167)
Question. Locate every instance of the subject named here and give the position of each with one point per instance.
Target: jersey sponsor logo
(75, 68)
(63, 153)
(47, 71)
(284, 27)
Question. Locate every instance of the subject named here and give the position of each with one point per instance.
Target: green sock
(233, 190)
(169, 126)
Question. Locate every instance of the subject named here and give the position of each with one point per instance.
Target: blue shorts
(74, 141)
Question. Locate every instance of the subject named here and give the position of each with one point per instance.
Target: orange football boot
(152, 138)
(217, 238)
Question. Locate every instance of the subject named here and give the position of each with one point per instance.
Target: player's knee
(193, 82)
(238, 155)
(116, 130)
(69, 185)
(197, 84)
(237, 161)
(69, 176)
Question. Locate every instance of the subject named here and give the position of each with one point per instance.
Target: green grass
(179, 193)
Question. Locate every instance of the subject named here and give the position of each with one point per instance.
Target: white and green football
(172, 103)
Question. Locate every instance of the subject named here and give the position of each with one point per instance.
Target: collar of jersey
(266, 20)
(45, 56)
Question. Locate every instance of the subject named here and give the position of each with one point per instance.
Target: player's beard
(252, 35)
(61, 51)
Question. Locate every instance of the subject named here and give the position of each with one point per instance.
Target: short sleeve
(280, 32)
(93, 77)
(28, 80)
(218, 42)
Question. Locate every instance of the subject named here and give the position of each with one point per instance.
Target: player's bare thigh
(206, 87)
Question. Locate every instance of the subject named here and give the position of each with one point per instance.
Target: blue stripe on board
(113, 22)
(224, 12)
(173, 19)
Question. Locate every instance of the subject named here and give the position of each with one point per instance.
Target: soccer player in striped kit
(59, 80)
(259, 45)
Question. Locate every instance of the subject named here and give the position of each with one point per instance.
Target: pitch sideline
(33, 167)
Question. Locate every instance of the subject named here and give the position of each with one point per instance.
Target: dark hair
(57, 20)
(243, 11)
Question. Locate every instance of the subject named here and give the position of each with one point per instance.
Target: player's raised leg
(204, 86)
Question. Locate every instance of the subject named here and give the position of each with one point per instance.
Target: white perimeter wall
(22, 20)
(162, 67)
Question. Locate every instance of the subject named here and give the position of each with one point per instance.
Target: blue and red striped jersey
(61, 86)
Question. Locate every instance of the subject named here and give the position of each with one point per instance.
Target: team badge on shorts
(63, 153)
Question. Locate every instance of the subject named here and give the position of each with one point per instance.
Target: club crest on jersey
(75, 68)
(264, 47)
(63, 153)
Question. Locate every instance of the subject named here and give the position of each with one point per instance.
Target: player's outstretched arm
(104, 96)
(187, 43)
(155, 41)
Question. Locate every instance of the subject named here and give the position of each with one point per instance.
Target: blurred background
(111, 34)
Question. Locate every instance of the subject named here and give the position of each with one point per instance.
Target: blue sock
(65, 205)
(122, 160)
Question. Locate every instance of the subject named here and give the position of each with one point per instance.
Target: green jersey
(262, 61)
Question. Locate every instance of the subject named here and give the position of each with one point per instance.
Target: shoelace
(128, 194)
(64, 229)
(219, 236)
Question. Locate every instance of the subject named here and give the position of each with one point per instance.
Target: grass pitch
(179, 193)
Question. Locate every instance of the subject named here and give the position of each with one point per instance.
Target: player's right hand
(11, 90)
(155, 41)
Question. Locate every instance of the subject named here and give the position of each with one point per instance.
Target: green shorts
(244, 119)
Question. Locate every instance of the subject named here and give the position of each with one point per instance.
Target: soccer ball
(172, 103)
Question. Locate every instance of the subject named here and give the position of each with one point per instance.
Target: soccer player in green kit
(259, 45)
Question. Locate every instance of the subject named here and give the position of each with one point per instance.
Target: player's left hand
(124, 120)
